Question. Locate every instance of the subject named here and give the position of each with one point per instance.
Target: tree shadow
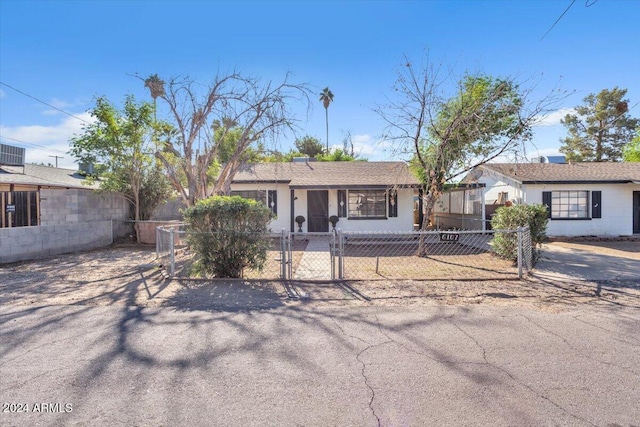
(225, 295)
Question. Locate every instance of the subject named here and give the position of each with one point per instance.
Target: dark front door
(318, 210)
(636, 212)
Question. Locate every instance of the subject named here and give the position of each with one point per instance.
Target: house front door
(318, 211)
(636, 212)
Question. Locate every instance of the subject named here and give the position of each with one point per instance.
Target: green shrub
(512, 217)
(228, 234)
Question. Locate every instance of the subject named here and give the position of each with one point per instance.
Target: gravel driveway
(128, 275)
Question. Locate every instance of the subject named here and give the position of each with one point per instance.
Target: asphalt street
(308, 365)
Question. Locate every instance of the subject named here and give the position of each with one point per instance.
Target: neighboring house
(584, 199)
(46, 211)
(365, 196)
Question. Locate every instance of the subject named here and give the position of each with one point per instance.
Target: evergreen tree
(600, 128)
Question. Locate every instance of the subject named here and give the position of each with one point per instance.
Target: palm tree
(156, 86)
(327, 98)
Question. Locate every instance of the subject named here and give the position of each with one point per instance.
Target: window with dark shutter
(393, 203)
(546, 200)
(596, 204)
(342, 203)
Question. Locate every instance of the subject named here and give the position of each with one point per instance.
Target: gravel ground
(129, 275)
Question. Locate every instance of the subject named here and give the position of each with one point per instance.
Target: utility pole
(57, 157)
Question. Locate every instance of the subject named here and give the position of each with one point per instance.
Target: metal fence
(341, 255)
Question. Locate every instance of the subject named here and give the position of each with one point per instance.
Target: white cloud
(553, 118)
(42, 141)
(2, 94)
(58, 103)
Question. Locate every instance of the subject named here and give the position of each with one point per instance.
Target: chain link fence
(430, 255)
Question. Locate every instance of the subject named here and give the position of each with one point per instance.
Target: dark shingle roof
(41, 175)
(329, 174)
(595, 172)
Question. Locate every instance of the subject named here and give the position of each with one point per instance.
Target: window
(367, 203)
(268, 197)
(567, 204)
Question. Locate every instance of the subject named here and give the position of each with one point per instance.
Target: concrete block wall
(170, 210)
(80, 205)
(25, 243)
(71, 220)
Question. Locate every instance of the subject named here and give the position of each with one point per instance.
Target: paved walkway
(316, 260)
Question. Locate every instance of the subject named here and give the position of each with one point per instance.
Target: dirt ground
(130, 275)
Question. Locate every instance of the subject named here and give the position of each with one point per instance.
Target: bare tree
(200, 121)
(450, 132)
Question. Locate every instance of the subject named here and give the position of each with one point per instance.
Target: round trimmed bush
(228, 234)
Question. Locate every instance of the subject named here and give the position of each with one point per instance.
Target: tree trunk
(428, 202)
(326, 120)
(136, 207)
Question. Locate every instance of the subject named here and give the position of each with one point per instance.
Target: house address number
(449, 237)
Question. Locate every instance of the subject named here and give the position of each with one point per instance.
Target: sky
(66, 53)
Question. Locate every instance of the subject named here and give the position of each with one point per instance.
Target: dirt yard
(129, 275)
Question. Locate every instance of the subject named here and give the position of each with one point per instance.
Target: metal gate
(309, 256)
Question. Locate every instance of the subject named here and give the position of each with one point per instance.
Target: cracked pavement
(318, 366)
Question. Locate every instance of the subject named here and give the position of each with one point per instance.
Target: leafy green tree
(513, 217)
(228, 234)
(450, 132)
(337, 156)
(631, 151)
(121, 141)
(309, 145)
(600, 127)
(326, 97)
(155, 189)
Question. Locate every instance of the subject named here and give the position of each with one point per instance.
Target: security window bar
(367, 204)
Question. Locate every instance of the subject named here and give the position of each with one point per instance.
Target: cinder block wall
(79, 205)
(71, 220)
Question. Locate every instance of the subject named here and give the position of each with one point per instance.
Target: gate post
(519, 232)
(172, 264)
(340, 255)
(283, 254)
(332, 255)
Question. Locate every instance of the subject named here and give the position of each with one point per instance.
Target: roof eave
(575, 181)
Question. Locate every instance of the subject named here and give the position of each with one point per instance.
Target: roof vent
(549, 159)
(11, 155)
(86, 167)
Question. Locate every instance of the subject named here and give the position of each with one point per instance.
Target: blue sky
(65, 53)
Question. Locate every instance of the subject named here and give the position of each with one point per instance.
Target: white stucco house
(364, 196)
(584, 199)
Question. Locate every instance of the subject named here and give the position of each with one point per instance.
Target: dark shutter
(342, 203)
(546, 200)
(596, 204)
(272, 201)
(393, 203)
